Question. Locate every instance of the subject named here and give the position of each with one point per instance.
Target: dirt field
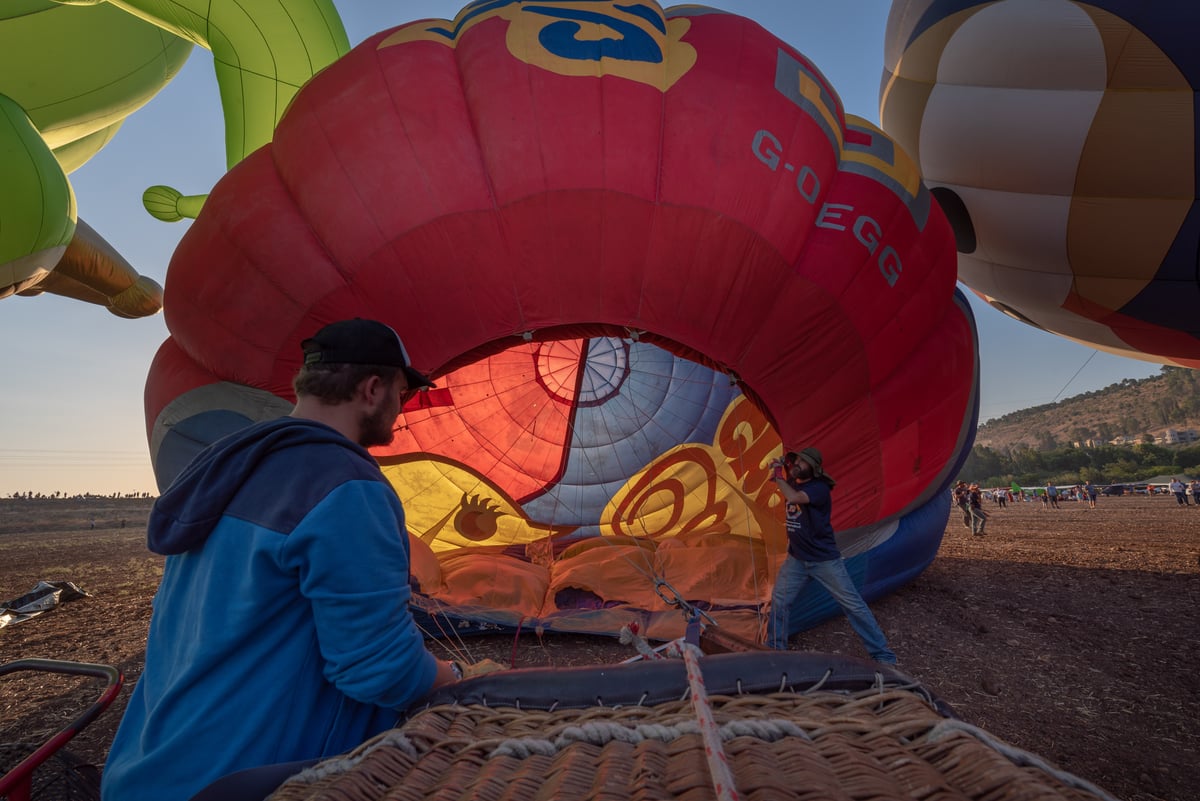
(1074, 634)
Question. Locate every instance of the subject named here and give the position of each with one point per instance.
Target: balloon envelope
(642, 252)
(1061, 138)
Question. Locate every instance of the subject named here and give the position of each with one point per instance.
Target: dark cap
(813, 457)
(360, 341)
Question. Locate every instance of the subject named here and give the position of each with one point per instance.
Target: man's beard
(377, 427)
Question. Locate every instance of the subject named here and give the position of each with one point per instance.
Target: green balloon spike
(170, 205)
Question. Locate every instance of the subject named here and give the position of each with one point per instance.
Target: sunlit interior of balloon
(567, 475)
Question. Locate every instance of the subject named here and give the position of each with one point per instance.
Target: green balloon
(37, 223)
(72, 70)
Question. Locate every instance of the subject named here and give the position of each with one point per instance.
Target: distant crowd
(1049, 496)
(970, 498)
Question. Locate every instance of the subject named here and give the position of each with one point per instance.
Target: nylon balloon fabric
(642, 251)
(1061, 138)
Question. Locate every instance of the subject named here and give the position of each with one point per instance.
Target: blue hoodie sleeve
(353, 565)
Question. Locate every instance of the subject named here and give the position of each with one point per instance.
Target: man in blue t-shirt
(813, 554)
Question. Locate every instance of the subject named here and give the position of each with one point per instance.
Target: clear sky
(71, 416)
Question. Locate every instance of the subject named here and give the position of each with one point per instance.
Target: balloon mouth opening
(583, 429)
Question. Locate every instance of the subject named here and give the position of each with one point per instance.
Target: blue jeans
(795, 574)
(978, 520)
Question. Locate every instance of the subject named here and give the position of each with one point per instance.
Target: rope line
(705, 725)
(600, 732)
(629, 637)
(1072, 378)
(336, 767)
(714, 754)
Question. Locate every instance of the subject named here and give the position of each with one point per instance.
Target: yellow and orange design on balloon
(702, 516)
(721, 487)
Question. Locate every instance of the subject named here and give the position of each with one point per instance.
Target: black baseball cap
(360, 341)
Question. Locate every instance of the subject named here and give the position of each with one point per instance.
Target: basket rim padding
(651, 682)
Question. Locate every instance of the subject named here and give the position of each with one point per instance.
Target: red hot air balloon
(642, 251)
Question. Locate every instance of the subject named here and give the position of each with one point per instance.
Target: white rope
(714, 755)
(630, 637)
(769, 730)
(336, 767)
(601, 733)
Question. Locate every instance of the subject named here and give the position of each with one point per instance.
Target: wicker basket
(815, 739)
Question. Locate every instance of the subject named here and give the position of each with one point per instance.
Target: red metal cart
(18, 783)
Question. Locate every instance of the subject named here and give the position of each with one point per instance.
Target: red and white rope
(714, 754)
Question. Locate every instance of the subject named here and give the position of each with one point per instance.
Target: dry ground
(1074, 634)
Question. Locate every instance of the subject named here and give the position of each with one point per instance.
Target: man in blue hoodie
(281, 631)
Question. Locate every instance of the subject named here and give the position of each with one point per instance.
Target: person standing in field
(962, 501)
(813, 555)
(979, 517)
(1177, 487)
(1052, 494)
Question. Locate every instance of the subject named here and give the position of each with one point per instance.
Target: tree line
(1105, 464)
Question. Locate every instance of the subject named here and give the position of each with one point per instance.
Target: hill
(1132, 411)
